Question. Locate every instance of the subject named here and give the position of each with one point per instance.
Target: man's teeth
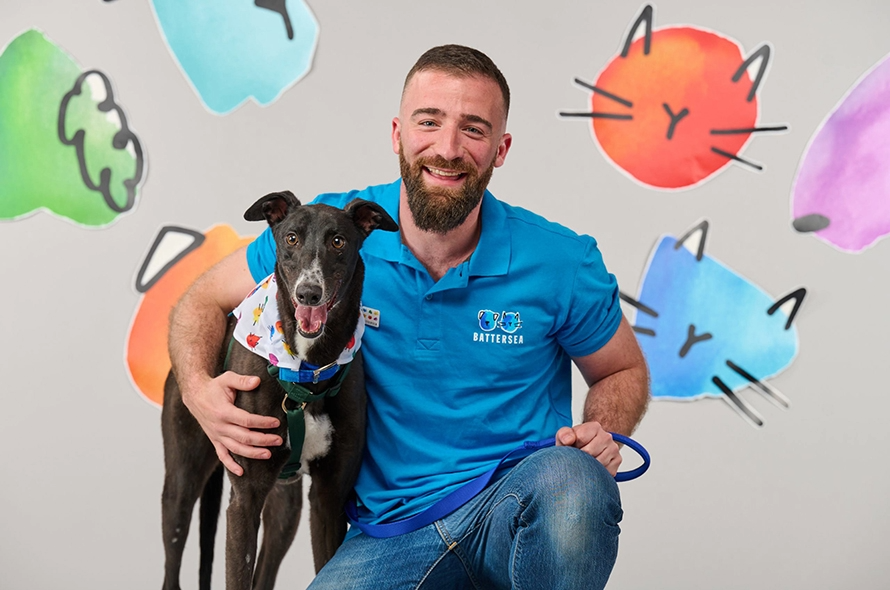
(438, 172)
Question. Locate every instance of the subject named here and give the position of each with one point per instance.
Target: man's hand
(227, 426)
(594, 440)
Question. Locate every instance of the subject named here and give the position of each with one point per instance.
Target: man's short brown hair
(459, 60)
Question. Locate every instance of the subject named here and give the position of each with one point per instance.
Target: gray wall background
(800, 503)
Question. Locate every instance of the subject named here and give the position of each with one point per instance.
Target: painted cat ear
(694, 240)
(789, 304)
(645, 16)
(763, 54)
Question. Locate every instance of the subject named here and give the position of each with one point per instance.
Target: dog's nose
(309, 295)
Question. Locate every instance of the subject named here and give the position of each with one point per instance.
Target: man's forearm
(619, 401)
(196, 334)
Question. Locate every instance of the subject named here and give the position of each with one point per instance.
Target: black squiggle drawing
(123, 137)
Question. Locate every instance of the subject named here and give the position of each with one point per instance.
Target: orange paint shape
(146, 359)
(687, 68)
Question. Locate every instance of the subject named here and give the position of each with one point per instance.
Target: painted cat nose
(810, 223)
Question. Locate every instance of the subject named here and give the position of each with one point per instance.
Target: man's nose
(449, 144)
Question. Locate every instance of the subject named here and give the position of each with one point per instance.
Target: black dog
(319, 276)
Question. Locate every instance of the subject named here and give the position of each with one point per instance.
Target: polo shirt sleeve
(594, 310)
(261, 255)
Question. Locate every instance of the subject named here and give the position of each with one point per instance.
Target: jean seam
(482, 519)
(458, 552)
(435, 563)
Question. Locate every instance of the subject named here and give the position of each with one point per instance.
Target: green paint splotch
(65, 145)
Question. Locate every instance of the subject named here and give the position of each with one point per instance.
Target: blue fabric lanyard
(463, 494)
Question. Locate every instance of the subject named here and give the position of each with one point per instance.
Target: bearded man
(481, 309)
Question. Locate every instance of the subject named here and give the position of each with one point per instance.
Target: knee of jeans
(574, 494)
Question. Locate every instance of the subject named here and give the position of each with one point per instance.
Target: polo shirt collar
(492, 254)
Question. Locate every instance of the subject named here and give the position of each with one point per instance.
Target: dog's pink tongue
(311, 319)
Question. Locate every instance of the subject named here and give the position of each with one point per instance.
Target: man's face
(450, 135)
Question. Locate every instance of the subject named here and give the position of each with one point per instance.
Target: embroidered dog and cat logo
(506, 322)
(708, 332)
(677, 105)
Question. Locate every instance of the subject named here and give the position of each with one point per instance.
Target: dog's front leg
(243, 520)
(281, 517)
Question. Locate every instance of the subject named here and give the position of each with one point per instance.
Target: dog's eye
(291, 239)
(338, 242)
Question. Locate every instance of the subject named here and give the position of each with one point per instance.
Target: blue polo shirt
(463, 370)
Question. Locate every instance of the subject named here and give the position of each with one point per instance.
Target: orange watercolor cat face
(676, 105)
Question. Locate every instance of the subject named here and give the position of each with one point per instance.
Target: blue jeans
(551, 522)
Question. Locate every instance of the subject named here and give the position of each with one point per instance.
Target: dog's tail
(211, 498)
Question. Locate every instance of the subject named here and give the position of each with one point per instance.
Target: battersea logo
(498, 327)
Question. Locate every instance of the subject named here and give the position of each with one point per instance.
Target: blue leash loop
(465, 493)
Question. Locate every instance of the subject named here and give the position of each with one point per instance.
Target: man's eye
(291, 239)
(474, 130)
(338, 242)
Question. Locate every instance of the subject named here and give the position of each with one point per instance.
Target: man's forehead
(427, 87)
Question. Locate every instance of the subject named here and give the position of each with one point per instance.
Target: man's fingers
(239, 382)
(565, 437)
(226, 459)
(248, 420)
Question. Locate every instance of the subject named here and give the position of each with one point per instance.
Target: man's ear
(396, 135)
(369, 216)
(273, 207)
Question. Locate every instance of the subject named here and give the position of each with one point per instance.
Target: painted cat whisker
(644, 331)
(736, 158)
(637, 305)
(604, 93)
(737, 403)
(769, 392)
(597, 115)
(775, 128)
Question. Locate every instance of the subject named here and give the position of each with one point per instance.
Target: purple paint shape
(842, 189)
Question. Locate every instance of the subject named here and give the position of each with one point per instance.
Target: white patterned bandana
(259, 330)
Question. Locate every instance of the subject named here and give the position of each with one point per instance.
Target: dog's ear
(369, 216)
(273, 207)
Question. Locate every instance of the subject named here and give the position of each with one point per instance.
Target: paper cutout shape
(176, 258)
(67, 146)
(677, 105)
(708, 332)
(234, 51)
(840, 193)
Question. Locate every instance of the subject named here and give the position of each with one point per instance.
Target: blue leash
(463, 494)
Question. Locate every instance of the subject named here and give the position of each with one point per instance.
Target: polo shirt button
(429, 297)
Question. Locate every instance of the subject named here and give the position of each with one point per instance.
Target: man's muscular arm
(211, 398)
(618, 394)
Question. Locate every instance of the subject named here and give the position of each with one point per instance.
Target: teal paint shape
(235, 50)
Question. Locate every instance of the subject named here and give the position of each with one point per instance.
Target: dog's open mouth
(311, 319)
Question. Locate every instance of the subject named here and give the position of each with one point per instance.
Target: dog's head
(318, 251)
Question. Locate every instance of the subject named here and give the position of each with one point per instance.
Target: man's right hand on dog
(227, 426)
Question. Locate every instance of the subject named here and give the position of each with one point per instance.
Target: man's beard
(437, 209)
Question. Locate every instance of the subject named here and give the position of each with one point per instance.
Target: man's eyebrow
(470, 118)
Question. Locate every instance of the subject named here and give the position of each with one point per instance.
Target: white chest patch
(317, 443)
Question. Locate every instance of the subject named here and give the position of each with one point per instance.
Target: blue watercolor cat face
(708, 332)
